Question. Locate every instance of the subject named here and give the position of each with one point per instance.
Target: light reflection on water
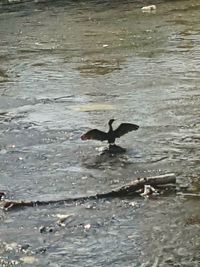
(71, 66)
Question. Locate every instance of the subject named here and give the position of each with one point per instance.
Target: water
(70, 66)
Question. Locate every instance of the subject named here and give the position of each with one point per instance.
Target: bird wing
(125, 128)
(95, 134)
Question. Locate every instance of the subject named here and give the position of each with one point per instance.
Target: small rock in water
(50, 229)
(24, 247)
(41, 250)
(113, 149)
(149, 8)
(42, 229)
(116, 149)
(2, 195)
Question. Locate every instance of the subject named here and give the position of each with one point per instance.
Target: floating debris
(149, 190)
(132, 188)
(87, 226)
(151, 8)
(63, 218)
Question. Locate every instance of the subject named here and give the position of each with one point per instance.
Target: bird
(111, 135)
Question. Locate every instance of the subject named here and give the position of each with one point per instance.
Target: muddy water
(67, 67)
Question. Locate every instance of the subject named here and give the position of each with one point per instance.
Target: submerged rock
(114, 149)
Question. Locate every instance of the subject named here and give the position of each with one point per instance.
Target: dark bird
(111, 135)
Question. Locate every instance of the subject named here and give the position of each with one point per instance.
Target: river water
(69, 66)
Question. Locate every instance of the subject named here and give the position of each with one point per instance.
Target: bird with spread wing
(111, 135)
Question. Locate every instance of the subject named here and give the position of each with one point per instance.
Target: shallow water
(70, 66)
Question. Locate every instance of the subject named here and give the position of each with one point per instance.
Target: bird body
(111, 135)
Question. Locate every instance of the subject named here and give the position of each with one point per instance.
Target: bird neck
(110, 127)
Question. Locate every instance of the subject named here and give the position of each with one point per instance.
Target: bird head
(111, 121)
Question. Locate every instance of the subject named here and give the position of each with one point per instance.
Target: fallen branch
(131, 189)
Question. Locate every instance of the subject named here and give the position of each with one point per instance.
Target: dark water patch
(3, 76)
(3, 57)
(194, 220)
(98, 67)
(188, 8)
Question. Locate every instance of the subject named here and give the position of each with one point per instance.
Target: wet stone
(113, 150)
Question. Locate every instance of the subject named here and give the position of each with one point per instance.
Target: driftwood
(135, 188)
